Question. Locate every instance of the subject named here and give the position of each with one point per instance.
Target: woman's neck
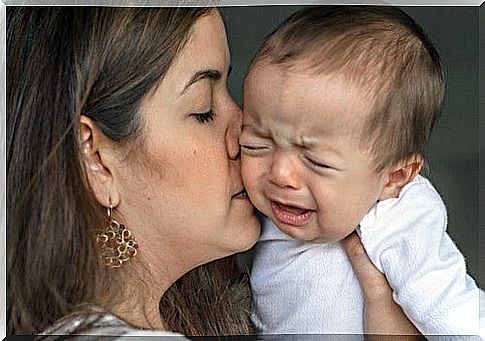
(139, 296)
(139, 314)
(133, 301)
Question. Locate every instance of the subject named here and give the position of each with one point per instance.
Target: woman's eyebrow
(202, 74)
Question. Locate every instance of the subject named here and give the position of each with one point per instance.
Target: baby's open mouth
(291, 215)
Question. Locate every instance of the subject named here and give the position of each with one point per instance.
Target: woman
(123, 168)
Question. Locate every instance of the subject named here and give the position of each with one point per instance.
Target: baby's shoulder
(417, 212)
(417, 198)
(421, 188)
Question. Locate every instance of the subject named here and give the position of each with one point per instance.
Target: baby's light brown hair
(382, 51)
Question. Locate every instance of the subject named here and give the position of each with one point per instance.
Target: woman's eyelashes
(204, 117)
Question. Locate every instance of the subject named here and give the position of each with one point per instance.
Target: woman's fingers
(373, 283)
(381, 314)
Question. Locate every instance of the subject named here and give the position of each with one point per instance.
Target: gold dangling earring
(116, 242)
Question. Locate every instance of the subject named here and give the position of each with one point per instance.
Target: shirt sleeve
(406, 239)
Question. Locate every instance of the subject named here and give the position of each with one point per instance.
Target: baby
(339, 103)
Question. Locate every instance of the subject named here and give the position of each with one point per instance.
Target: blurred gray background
(454, 149)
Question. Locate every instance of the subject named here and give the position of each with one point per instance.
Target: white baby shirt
(304, 288)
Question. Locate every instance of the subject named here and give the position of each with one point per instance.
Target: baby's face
(301, 160)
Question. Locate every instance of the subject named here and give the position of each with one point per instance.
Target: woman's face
(179, 192)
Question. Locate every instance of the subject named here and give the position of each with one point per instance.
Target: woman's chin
(246, 236)
(253, 230)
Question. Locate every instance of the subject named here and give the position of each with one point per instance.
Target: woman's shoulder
(92, 320)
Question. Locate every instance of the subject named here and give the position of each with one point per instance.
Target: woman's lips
(240, 195)
(291, 215)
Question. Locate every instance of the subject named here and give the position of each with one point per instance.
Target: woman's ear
(96, 155)
(401, 174)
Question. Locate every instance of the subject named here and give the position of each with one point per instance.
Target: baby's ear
(401, 174)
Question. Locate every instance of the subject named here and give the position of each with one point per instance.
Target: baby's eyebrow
(307, 142)
(254, 129)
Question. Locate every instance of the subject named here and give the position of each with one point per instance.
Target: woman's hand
(381, 314)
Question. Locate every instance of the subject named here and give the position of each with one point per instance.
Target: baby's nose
(283, 173)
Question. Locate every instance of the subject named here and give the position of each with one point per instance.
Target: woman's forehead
(205, 50)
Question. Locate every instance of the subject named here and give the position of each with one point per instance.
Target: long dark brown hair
(64, 62)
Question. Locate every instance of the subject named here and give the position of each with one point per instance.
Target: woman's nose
(283, 173)
(233, 132)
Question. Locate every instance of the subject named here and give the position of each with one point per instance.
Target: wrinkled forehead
(265, 78)
(366, 76)
(324, 104)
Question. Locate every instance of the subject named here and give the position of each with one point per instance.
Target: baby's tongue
(292, 209)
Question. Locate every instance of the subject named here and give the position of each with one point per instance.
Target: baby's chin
(310, 234)
(304, 234)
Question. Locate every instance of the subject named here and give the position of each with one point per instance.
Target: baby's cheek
(252, 180)
(336, 218)
(248, 172)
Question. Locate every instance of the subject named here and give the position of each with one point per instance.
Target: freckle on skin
(195, 151)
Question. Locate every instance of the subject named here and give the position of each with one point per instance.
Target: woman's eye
(204, 117)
